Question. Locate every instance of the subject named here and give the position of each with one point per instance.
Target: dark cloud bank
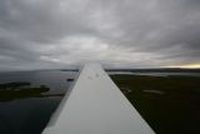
(38, 34)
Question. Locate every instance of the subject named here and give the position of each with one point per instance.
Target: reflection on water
(26, 116)
(154, 92)
(28, 99)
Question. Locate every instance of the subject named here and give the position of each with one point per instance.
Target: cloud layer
(130, 33)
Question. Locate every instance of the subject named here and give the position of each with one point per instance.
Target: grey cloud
(135, 33)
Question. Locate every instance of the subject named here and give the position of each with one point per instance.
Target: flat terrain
(170, 104)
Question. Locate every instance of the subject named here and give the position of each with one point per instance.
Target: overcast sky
(38, 34)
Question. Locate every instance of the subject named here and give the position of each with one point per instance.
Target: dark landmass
(70, 80)
(143, 70)
(70, 70)
(170, 105)
(160, 70)
(13, 85)
(19, 90)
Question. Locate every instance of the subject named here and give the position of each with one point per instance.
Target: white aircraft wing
(96, 106)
